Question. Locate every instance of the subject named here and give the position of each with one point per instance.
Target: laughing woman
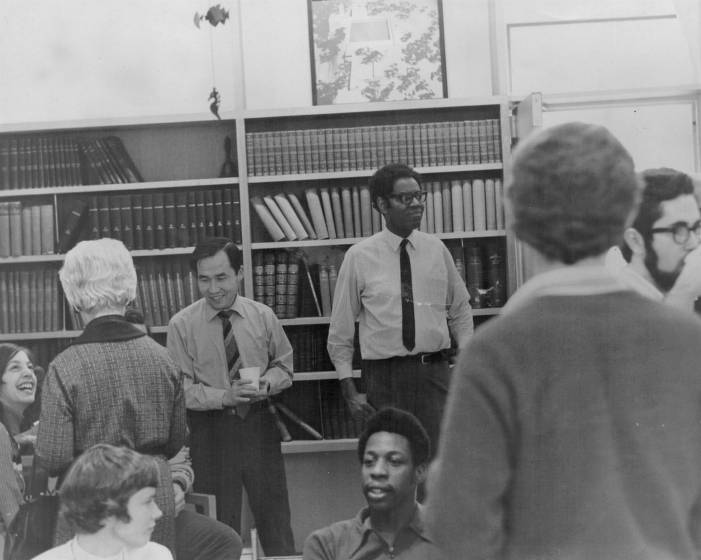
(17, 391)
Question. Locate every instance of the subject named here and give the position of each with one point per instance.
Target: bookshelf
(456, 145)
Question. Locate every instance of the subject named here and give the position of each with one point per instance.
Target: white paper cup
(250, 374)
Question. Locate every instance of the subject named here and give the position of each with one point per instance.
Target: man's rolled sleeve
(345, 311)
(198, 396)
(279, 373)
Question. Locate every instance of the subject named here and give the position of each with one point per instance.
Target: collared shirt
(355, 539)
(617, 265)
(368, 290)
(565, 281)
(196, 343)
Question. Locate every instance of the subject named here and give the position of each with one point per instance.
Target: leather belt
(425, 357)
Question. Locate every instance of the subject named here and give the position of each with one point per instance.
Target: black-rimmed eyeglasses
(680, 231)
(407, 197)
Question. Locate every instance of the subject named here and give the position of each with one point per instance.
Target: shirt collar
(210, 313)
(363, 529)
(566, 281)
(393, 240)
(109, 328)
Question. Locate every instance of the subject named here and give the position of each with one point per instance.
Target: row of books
(323, 213)
(155, 220)
(463, 205)
(30, 300)
(58, 161)
(425, 144)
(164, 287)
(26, 229)
(309, 343)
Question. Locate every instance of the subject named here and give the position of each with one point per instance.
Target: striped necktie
(233, 358)
(408, 324)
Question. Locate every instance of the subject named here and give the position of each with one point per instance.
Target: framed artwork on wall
(376, 50)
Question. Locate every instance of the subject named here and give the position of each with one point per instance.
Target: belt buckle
(423, 357)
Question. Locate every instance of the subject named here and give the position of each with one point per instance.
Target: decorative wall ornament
(215, 15)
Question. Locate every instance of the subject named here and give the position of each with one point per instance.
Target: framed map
(376, 50)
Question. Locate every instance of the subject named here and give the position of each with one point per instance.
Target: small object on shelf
(216, 101)
(228, 168)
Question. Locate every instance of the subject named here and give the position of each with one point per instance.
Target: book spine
(328, 212)
(26, 230)
(468, 213)
(447, 210)
(171, 224)
(5, 247)
(303, 216)
(192, 217)
(219, 228)
(355, 197)
(183, 229)
(148, 221)
(267, 219)
(499, 199)
(115, 217)
(72, 226)
(236, 215)
(437, 207)
(490, 204)
(127, 216)
(347, 206)
(117, 148)
(209, 213)
(457, 205)
(15, 217)
(429, 212)
(365, 211)
(280, 218)
(200, 214)
(337, 211)
(48, 228)
(316, 212)
(479, 209)
(291, 216)
(159, 221)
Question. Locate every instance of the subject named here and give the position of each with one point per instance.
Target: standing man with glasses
(662, 245)
(234, 441)
(403, 289)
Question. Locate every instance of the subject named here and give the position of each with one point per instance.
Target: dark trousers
(408, 384)
(229, 453)
(198, 537)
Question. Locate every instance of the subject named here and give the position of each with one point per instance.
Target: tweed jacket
(114, 385)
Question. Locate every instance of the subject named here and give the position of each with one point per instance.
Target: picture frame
(376, 50)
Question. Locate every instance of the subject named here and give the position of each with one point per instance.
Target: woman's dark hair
(100, 483)
(396, 421)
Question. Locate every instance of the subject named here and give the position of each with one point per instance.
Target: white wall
(78, 59)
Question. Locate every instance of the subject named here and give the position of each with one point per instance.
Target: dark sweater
(573, 431)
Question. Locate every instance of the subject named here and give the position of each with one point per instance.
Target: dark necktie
(232, 353)
(408, 325)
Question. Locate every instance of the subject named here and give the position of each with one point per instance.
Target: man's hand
(263, 391)
(357, 402)
(241, 392)
(688, 285)
(179, 496)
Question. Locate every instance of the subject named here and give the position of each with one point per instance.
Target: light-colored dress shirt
(196, 344)
(368, 290)
(73, 551)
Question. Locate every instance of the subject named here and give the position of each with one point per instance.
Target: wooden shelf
(46, 335)
(319, 446)
(364, 173)
(169, 252)
(144, 186)
(320, 375)
(257, 246)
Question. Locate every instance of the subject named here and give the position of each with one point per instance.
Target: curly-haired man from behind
(572, 427)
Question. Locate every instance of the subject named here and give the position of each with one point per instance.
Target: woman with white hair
(114, 384)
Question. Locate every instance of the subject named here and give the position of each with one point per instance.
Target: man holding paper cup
(234, 353)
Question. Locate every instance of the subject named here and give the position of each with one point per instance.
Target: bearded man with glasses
(403, 289)
(662, 245)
